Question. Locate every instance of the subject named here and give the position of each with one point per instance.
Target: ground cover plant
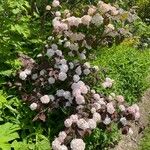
(52, 97)
(129, 67)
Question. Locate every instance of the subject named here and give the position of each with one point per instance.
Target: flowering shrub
(55, 81)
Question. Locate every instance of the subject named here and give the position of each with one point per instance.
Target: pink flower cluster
(101, 111)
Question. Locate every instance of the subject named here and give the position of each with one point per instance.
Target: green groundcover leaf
(8, 133)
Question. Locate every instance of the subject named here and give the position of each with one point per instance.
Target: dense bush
(54, 81)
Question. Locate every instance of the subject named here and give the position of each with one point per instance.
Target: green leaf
(8, 133)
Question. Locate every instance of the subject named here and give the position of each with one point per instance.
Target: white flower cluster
(23, 74)
(77, 144)
(79, 88)
(108, 83)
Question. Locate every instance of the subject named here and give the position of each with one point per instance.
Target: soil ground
(132, 142)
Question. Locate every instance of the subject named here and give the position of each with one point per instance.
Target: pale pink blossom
(82, 124)
(91, 10)
(110, 108)
(86, 19)
(80, 99)
(45, 99)
(97, 117)
(55, 3)
(77, 144)
(68, 123)
(92, 123)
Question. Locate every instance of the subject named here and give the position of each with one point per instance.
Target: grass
(129, 68)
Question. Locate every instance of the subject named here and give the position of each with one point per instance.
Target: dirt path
(132, 142)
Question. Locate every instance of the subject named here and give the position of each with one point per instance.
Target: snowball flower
(62, 76)
(51, 80)
(56, 144)
(96, 68)
(27, 71)
(82, 124)
(45, 99)
(55, 3)
(93, 110)
(103, 7)
(86, 19)
(71, 65)
(57, 13)
(120, 98)
(87, 65)
(42, 72)
(67, 44)
(82, 56)
(91, 10)
(62, 135)
(92, 123)
(108, 83)
(63, 147)
(22, 75)
(110, 108)
(50, 52)
(33, 106)
(48, 7)
(74, 46)
(97, 106)
(80, 99)
(93, 91)
(78, 70)
(96, 97)
(60, 93)
(76, 78)
(97, 19)
(63, 61)
(59, 52)
(34, 76)
(67, 95)
(123, 120)
(73, 21)
(54, 46)
(68, 123)
(76, 92)
(60, 42)
(101, 101)
(51, 97)
(77, 144)
(107, 121)
(111, 27)
(74, 118)
(122, 107)
(97, 117)
(86, 71)
(64, 68)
